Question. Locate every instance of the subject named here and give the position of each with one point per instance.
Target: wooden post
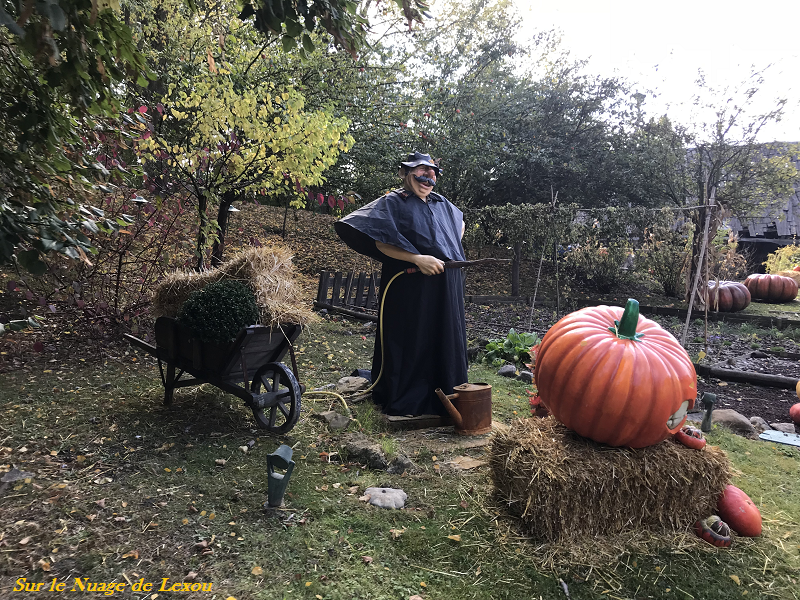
(699, 269)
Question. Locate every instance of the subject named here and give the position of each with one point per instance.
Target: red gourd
(773, 288)
(728, 296)
(715, 531)
(739, 512)
(796, 268)
(615, 377)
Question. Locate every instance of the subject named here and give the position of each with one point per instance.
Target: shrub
(783, 259)
(513, 349)
(218, 311)
(600, 265)
(663, 257)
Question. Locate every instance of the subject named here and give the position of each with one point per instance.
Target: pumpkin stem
(625, 328)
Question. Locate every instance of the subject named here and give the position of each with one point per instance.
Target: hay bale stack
(267, 270)
(564, 486)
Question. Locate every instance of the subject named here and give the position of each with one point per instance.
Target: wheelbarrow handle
(457, 264)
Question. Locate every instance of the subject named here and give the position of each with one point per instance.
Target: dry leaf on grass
(466, 462)
(257, 571)
(367, 560)
(455, 538)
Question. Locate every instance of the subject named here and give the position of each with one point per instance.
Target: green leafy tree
(59, 63)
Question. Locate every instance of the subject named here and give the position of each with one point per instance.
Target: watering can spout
(449, 406)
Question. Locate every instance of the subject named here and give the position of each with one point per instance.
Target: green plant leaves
(514, 348)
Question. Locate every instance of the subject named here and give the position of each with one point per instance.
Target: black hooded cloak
(424, 332)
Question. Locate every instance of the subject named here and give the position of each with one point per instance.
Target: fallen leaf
(103, 480)
(367, 560)
(722, 384)
(396, 533)
(212, 516)
(244, 449)
(45, 566)
(134, 554)
(101, 503)
(24, 541)
(364, 498)
(736, 579)
(337, 485)
(220, 462)
(466, 462)
(257, 571)
(463, 504)
(423, 584)
(191, 576)
(455, 538)
(415, 597)
(352, 490)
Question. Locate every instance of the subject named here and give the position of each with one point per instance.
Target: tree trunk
(202, 205)
(515, 269)
(222, 220)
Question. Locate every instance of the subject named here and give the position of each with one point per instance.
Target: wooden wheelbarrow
(248, 367)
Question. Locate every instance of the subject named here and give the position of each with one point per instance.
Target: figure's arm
(429, 265)
(463, 229)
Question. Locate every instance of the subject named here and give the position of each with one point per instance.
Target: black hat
(416, 159)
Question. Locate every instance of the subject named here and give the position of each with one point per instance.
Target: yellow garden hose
(380, 333)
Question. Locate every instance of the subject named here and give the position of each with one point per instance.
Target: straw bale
(563, 486)
(268, 271)
(791, 274)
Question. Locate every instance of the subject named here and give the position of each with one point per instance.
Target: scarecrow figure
(422, 342)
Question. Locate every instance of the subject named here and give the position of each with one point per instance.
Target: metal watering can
(471, 407)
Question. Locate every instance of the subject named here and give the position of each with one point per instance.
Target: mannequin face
(422, 189)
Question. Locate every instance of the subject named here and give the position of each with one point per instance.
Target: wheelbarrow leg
(169, 384)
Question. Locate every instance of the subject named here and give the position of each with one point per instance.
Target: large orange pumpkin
(615, 377)
(773, 288)
(728, 296)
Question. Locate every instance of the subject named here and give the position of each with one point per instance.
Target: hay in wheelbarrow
(563, 486)
(267, 270)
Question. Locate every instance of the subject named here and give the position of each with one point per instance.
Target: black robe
(424, 331)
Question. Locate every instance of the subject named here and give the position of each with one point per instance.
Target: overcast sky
(662, 46)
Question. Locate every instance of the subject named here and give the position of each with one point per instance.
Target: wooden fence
(349, 293)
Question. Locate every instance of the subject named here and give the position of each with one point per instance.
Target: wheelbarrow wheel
(281, 416)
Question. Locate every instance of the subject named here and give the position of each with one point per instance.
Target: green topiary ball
(220, 310)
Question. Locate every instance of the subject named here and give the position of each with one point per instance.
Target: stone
(736, 422)
(507, 371)
(759, 424)
(362, 450)
(400, 464)
(783, 427)
(334, 420)
(695, 416)
(525, 376)
(386, 497)
(351, 385)
(759, 354)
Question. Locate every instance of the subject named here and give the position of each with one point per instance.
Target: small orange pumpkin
(739, 512)
(773, 288)
(615, 377)
(728, 296)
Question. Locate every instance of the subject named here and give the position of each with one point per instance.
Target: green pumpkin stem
(625, 328)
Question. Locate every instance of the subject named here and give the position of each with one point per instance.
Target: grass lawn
(124, 490)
